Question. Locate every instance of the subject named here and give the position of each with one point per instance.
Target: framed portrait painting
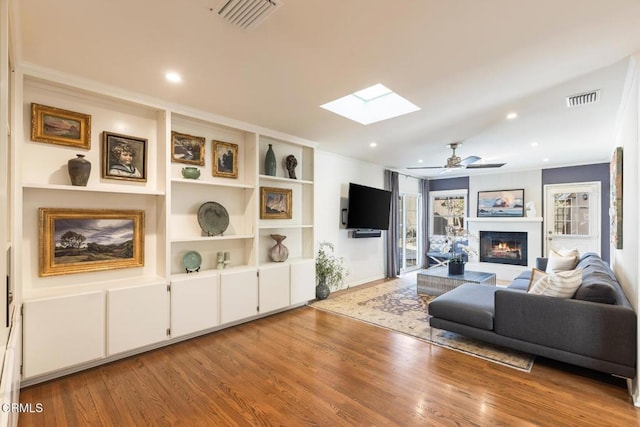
(615, 202)
(62, 127)
(187, 148)
(501, 203)
(124, 157)
(84, 240)
(225, 159)
(275, 203)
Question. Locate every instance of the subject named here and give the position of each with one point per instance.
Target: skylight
(370, 105)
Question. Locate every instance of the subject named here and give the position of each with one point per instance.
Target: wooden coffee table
(436, 281)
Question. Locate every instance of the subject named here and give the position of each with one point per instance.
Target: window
(447, 208)
(409, 214)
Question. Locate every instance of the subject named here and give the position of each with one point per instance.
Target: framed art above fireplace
(501, 203)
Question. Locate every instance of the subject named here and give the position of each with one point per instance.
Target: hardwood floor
(309, 367)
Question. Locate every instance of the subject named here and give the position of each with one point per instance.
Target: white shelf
(101, 189)
(294, 260)
(213, 272)
(287, 180)
(505, 219)
(92, 287)
(271, 227)
(211, 238)
(211, 183)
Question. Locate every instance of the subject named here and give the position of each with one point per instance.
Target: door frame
(571, 187)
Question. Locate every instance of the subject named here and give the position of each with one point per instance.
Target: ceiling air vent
(583, 98)
(247, 14)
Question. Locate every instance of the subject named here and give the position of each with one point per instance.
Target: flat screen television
(368, 208)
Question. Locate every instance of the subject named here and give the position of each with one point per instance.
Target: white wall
(365, 258)
(529, 180)
(625, 261)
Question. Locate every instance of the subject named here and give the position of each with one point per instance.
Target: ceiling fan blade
(468, 160)
(487, 165)
(426, 167)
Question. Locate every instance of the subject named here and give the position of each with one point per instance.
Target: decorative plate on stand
(192, 261)
(213, 218)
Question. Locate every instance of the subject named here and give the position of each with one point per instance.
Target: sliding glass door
(409, 230)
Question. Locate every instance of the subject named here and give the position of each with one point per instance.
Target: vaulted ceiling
(465, 63)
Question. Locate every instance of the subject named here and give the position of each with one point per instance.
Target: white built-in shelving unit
(73, 321)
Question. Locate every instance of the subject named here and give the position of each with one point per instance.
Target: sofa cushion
(559, 262)
(596, 287)
(534, 277)
(471, 304)
(562, 284)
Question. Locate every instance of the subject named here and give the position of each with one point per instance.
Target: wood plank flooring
(309, 367)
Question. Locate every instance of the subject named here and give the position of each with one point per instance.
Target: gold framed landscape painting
(225, 159)
(187, 148)
(84, 240)
(62, 127)
(275, 203)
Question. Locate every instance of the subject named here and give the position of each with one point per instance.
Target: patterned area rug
(395, 305)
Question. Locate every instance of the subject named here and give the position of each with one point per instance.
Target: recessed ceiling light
(534, 144)
(420, 160)
(370, 105)
(512, 115)
(373, 144)
(546, 159)
(173, 77)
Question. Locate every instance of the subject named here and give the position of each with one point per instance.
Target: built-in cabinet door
(303, 281)
(136, 317)
(62, 332)
(238, 295)
(274, 287)
(195, 302)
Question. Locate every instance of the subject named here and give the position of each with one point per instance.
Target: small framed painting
(275, 203)
(501, 203)
(187, 148)
(124, 157)
(83, 240)
(225, 159)
(62, 127)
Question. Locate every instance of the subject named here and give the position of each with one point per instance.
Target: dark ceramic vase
(270, 162)
(79, 170)
(322, 290)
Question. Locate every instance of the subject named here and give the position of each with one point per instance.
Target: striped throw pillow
(562, 284)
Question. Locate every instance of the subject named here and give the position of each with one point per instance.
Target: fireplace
(503, 247)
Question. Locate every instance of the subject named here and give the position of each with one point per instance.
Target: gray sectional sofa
(595, 329)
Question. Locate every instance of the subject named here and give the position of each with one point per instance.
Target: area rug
(395, 305)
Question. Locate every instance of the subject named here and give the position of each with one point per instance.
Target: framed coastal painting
(124, 157)
(501, 203)
(615, 203)
(62, 127)
(187, 148)
(84, 240)
(275, 203)
(225, 159)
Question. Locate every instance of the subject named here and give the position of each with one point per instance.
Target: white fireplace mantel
(531, 225)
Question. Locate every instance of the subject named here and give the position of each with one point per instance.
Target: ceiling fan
(455, 162)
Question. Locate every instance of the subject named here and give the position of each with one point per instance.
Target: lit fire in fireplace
(503, 247)
(504, 250)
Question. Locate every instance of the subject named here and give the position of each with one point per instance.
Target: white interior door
(572, 217)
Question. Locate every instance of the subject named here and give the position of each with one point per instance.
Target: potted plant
(458, 244)
(330, 270)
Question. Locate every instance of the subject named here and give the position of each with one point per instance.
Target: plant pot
(456, 268)
(322, 290)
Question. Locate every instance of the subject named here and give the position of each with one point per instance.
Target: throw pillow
(558, 262)
(535, 276)
(562, 284)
